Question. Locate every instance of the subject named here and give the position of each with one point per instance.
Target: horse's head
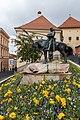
(35, 45)
(39, 44)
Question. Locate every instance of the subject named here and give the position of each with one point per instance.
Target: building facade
(4, 50)
(71, 33)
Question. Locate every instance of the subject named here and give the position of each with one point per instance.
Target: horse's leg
(45, 56)
(50, 54)
(64, 55)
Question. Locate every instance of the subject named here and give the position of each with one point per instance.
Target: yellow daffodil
(25, 96)
(74, 83)
(1, 102)
(65, 81)
(63, 101)
(40, 85)
(67, 85)
(61, 115)
(35, 93)
(36, 87)
(1, 117)
(36, 101)
(68, 90)
(51, 101)
(55, 85)
(58, 98)
(45, 92)
(13, 79)
(6, 84)
(19, 90)
(28, 90)
(12, 115)
(43, 82)
(50, 87)
(35, 113)
(9, 100)
(9, 93)
(15, 108)
(78, 85)
(20, 97)
(27, 117)
(52, 93)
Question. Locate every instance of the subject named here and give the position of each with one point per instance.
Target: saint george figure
(51, 39)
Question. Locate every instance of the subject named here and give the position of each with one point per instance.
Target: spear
(33, 32)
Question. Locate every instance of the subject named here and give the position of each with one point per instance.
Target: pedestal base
(36, 72)
(37, 78)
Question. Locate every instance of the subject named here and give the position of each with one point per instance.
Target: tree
(25, 50)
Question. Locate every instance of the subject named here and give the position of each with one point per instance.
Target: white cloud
(17, 12)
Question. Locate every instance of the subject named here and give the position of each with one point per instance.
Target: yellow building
(71, 33)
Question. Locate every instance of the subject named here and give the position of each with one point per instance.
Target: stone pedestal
(49, 67)
(36, 72)
(37, 78)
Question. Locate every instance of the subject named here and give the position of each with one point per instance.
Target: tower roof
(40, 23)
(70, 23)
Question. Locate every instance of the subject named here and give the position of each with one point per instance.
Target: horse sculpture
(60, 46)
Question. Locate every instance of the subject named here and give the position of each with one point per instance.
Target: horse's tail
(69, 50)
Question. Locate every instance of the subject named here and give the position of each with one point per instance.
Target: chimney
(39, 13)
(69, 15)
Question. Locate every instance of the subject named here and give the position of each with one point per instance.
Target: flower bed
(46, 101)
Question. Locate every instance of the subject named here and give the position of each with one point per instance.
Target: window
(69, 39)
(77, 38)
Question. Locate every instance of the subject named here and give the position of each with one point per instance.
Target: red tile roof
(70, 23)
(77, 46)
(40, 23)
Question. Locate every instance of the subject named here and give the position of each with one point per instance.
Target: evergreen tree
(25, 50)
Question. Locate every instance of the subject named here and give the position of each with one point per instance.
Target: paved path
(5, 74)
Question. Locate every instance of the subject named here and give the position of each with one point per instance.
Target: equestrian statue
(52, 45)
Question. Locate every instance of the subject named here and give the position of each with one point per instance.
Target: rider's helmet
(50, 35)
(51, 29)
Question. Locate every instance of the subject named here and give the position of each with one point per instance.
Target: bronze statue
(51, 39)
(51, 45)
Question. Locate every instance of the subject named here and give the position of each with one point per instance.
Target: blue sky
(14, 13)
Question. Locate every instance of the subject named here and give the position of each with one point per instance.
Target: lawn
(46, 101)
